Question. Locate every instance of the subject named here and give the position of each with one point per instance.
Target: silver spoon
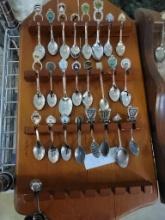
(87, 98)
(160, 50)
(53, 152)
(75, 49)
(104, 105)
(125, 96)
(39, 48)
(91, 115)
(132, 114)
(66, 151)
(52, 45)
(51, 97)
(79, 151)
(122, 156)
(97, 48)
(38, 98)
(114, 92)
(133, 146)
(36, 187)
(86, 49)
(105, 118)
(108, 46)
(38, 149)
(120, 48)
(76, 96)
(64, 49)
(65, 103)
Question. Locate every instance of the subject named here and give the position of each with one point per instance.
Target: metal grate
(9, 97)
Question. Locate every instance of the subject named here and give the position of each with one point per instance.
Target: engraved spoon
(97, 48)
(66, 151)
(125, 96)
(120, 48)
(114, 92)
(160, 50)
(86, 49)
(133, 146)
(38, 149)
(108, 46)
(79, 151)
(75, 49)
(76, 96)
(122, 155)
(65, 103)
(104, 105)
(87, 99)
(52, 45)
(36, 187)
(51, 97)
(53, 152)
(64, 49)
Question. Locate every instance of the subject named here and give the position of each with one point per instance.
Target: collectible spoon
(114, 92)
(38, 98)
(120, 48)
(104, 105)
(64, 49)
(132, 114)
(91, 115)
(52, 45)
(79, 151)
(65, 103)
(133, 146)
(97, 48)
(76, 96)
(86, 49)
(87, 98)
(38, 149)
(160, 51)
(122, 156)
(75, 49)
(39, 48)
(125, 96)
(66, 151)
(108, 46)
(53, 152)
(36, 187)
(51, 97)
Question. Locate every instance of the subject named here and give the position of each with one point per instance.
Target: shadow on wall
(130, 6)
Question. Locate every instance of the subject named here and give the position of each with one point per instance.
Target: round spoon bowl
(39, 152)
(79, 154)
(122, 157)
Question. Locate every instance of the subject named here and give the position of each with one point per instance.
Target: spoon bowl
(53, 154)
(38, 151)
(79, 154)
(122, 157)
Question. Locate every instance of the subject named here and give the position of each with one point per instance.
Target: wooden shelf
(69, 29)
(71, 128)
(135, 189)
(30, 75)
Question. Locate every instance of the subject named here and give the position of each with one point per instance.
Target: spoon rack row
(92, 27)
(71, 128)
(30, 75)
(144, 188)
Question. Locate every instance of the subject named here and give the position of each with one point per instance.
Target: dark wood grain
(155, 87)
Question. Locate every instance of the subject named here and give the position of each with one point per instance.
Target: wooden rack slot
(30, 76)
(45, 28)
(71, 128)
(46, 195)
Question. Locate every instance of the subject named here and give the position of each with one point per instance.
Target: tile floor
(7, 212)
